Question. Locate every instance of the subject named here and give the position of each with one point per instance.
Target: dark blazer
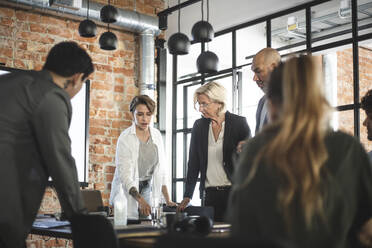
(236, 129)
(258, 113)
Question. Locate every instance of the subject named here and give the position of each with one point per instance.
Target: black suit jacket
(260, 106)
(236, 129)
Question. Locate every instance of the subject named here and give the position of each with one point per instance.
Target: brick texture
(345, 93)
(25, 39)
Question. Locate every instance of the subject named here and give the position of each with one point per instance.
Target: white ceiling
(226, 13)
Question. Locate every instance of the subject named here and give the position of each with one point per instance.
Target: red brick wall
(345, 88)
(25, 39)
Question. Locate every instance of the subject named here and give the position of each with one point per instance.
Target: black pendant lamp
(207, 61)
(178, 43)
(87, 28)
(109, 13)
(202, 31)
(108, 40)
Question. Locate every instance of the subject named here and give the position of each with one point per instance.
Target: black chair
(93, 231)
(187, 241)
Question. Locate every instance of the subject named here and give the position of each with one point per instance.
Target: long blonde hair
(298, 150)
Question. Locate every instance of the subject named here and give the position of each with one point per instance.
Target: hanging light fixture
(207, 61)
(179, 43)
(109, 13)
(108, 40)
(202, 31)
(87, 28)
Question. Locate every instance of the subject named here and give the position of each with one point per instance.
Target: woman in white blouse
(140, 162)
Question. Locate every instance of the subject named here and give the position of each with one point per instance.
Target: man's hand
(183, 204)
(365, 234)
(240, 146)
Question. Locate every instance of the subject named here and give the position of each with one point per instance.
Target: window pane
(344, 121)
(365, 79)
(179, 113)
(365, 67)
(338, 72)
(251, 94)
(188, 146)
(227, 83)
(187, 63)
(330, 23)
(249, 41)
(195, 201)
(179, 192)
(364, 16)
(222, 47)
(192, 113)
(180, 156)
(288, 33)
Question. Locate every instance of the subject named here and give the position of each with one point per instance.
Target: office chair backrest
(93, 231)
(93, 200)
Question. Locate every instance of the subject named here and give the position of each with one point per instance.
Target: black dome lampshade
(207, 62)
(109, 14)
(202, 31)
(87, 28)
(178, 44)
(108, 41)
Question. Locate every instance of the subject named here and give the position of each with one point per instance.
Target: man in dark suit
(34, 141)
(263, 64)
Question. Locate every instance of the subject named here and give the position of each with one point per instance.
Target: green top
(254, 211)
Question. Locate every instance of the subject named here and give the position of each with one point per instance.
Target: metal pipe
(147, 85)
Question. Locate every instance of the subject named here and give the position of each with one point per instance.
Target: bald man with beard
(263, 64)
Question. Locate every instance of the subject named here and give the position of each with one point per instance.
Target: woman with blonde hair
(298, 181)
(214, 138)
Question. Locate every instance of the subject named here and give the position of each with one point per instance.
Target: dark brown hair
(366, 102)
(142, 99)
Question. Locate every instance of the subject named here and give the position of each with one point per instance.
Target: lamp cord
(88, 11)
(202, 9)
(179, 18)
(207, 10)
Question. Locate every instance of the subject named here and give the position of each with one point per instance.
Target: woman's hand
(183, 204)
(144, 207)
(171, 204)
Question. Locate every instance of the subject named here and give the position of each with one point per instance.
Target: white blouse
(126, 173)
(216, 175)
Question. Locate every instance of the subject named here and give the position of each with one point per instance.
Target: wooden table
(137, 235)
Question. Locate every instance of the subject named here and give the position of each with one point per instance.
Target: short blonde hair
(215, 92)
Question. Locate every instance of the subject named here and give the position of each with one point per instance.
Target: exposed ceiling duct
(144, 25)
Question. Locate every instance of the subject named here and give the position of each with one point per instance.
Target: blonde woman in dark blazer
(214, 138)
